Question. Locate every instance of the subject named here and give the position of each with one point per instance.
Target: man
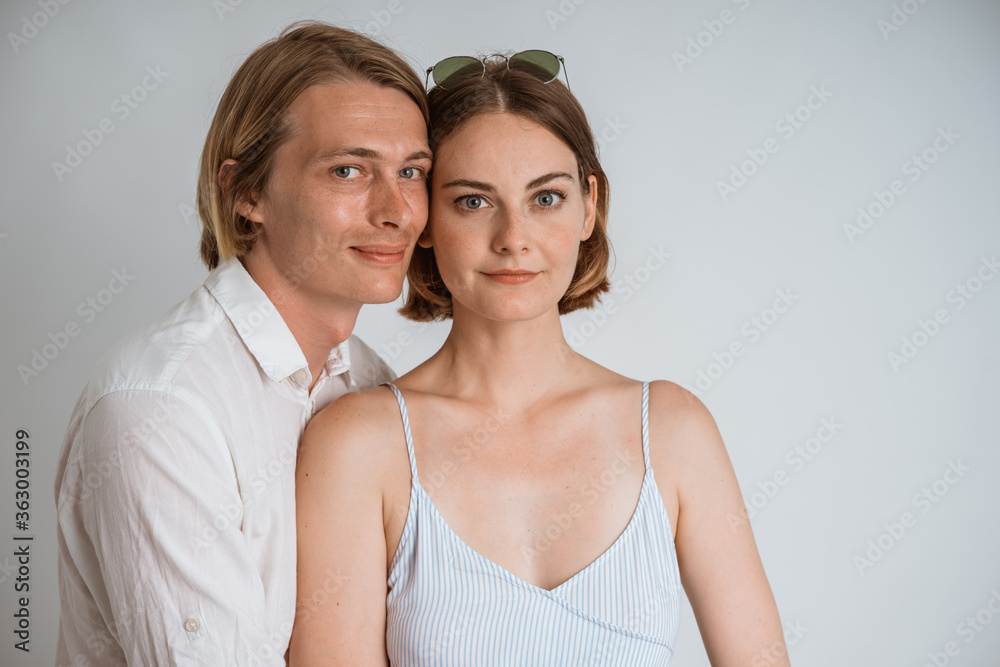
(174, 489)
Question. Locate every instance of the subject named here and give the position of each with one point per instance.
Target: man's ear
(246, 206)
(590, 208)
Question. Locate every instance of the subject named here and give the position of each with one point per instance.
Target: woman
(510, 502)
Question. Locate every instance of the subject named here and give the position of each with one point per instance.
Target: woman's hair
(551, 105)
(251, 121)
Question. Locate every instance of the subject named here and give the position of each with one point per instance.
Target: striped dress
(448, 605)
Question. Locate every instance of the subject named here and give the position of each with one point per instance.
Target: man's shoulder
(151, 356)
(368, 368)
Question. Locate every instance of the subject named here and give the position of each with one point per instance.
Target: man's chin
(379, 294)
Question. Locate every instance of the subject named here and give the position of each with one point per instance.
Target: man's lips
(381, 254)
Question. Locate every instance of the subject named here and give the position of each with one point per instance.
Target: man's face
(347, 196)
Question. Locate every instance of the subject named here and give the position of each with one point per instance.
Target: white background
(671, 132)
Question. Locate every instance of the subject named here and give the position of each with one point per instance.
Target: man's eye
(345, 172)
(409, 172)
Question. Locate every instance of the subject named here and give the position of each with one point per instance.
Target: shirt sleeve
(161, 507)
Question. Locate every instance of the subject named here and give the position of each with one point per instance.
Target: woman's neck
(510, 364)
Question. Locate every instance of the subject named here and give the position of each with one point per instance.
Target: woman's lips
(511, 277)
(381, 254)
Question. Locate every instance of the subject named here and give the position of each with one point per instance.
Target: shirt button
(192, 625)
(300, 375)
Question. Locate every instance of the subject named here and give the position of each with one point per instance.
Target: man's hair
(551, 105)
(251, 121)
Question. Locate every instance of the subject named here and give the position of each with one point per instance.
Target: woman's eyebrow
(542, 180)
(466, 183)
(479, 185)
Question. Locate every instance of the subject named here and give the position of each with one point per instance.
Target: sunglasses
(542, 65)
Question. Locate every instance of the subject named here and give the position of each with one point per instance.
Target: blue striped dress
(448, 605)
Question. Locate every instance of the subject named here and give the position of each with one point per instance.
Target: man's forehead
(362, 120)
(357, 100)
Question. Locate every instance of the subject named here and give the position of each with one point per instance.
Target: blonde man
(175, 497)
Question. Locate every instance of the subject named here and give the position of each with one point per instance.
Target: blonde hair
(551, 105)
(250, 122)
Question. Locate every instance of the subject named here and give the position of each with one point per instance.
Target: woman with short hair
(509, 501)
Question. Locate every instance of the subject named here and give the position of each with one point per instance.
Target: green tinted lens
(542, 64)
(456, 65)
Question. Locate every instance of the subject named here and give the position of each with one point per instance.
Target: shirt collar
(261, 327)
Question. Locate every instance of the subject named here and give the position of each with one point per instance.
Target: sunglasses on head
(543, 65)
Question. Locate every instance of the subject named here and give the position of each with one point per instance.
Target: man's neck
(318, 322)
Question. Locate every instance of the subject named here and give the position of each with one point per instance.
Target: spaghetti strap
(645, 424)
(406, 430)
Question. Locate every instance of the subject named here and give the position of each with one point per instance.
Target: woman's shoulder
(359, 423)
(682, 429)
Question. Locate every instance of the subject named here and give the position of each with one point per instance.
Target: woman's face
(507, 216)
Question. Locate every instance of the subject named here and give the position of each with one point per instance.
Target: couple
(507, 502)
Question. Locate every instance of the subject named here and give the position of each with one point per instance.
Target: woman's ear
(426, 240)
(590, 208)
(245, 206)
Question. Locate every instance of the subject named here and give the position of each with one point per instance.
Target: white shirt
(175, 487)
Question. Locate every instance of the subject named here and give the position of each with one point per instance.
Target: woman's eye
(472, 202)
(345, 172)
(548, 198)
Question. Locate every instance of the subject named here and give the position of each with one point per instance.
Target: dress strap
(406, 429)
(645, 424)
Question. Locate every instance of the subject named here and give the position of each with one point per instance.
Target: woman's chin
(513, 309)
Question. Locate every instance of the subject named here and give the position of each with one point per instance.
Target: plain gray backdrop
(804, 217)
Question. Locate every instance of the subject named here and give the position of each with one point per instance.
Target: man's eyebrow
(365, 153)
